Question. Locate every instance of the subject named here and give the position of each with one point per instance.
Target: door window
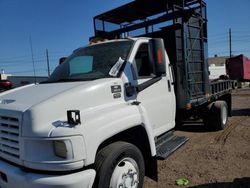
(143, 65)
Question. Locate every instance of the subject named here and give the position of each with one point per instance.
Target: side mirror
(116, 68)
(62, 59)
(157, 56)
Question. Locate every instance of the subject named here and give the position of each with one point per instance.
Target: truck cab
(106, 95)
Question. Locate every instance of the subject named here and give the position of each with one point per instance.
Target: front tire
(119, 165)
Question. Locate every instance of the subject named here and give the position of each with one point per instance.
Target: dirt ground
(212, 159)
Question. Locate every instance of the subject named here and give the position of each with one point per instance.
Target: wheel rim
(224, 115)
(125, 174)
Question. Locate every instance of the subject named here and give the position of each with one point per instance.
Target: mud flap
(152, 168)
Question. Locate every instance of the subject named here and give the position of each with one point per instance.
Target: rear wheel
(119, 165)
(217, 115)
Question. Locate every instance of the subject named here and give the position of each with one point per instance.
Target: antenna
(32, 58)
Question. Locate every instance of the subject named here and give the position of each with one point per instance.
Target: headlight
(56, 154)
(54, 150)
(60, 149)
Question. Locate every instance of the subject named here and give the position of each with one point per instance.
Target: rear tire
(217, 115)
(119, 164)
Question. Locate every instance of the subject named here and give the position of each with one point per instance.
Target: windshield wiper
(63, 80)
(69, 80)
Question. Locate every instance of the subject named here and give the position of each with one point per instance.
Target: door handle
(169, 86)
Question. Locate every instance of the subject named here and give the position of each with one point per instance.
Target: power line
(217, 34)
(26, 71)
(38, 55)
(242, 31)
(21, 61)
(224, 42)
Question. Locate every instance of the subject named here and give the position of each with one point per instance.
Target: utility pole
(32, 57)
(230, 43)
(47, 55)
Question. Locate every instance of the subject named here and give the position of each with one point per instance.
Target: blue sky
(64, 25)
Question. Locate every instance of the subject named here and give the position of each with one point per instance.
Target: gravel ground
(212, 159)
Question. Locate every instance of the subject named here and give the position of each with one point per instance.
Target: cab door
(159, 98)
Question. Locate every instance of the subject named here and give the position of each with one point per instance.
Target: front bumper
(13, 177)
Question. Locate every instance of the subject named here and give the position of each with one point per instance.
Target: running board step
(168, 144)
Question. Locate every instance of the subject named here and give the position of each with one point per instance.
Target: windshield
(92, 62)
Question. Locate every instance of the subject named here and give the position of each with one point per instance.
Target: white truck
(102, 119)
(82, 116)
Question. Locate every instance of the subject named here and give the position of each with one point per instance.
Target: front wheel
(119, 165)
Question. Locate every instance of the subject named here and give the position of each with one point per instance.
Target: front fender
(108, 122)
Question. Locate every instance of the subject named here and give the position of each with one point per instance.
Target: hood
(25, 97)
(43, 108)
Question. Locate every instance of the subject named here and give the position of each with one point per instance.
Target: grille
(9, 137)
